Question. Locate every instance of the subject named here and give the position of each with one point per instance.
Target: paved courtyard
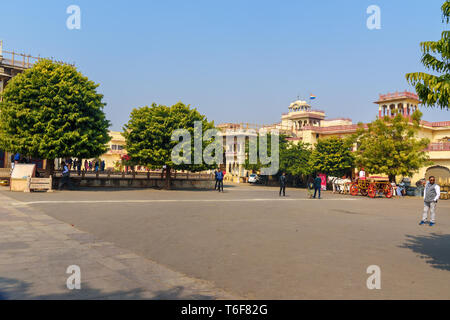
(244, 243)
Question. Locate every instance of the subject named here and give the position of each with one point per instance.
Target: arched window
(441, 173)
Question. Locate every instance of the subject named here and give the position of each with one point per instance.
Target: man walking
(69, 163)
(220, 180)
(217, 180)
(431, 196)
(65, 179)
(317, 186)
(283, 184)
(79, 166)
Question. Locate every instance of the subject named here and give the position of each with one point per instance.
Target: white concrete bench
(39, 184)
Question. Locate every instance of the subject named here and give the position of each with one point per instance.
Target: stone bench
(41, 184)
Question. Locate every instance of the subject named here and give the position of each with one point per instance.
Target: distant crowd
(95, 165)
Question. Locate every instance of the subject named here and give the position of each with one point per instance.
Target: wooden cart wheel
(354, 190)
(372, 190)
(388, 191)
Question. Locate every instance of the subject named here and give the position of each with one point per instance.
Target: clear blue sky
(235, 60)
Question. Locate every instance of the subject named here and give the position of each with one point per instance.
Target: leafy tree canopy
(295, 158)
(389, 146)
(333, 156)
(52, 111)
(435, 89)
(148, 135)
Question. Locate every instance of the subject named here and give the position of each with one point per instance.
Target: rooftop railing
(395, 95)
(439, 146)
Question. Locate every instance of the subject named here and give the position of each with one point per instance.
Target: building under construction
(11, 64)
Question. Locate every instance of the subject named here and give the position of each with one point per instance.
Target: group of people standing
(75, 164)
(315, 184)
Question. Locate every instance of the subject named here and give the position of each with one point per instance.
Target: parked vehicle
(253, 178)
(372, 188)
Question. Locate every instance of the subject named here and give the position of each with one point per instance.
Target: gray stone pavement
(250, 242)
(36, 249)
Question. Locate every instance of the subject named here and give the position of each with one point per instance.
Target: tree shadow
(434, 248)
(13, 289)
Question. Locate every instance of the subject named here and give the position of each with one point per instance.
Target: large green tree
(52, 111)
(149, 141)
(333, 156)
(434, 89)
(389, 146)
(295, 159)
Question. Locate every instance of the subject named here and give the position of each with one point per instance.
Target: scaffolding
(14, 59)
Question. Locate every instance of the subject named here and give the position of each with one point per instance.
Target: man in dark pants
(317, 186)
(283, 184)
(215, 176)
(220, 180)
(65, 179)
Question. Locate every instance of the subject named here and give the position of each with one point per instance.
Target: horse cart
(372, 187)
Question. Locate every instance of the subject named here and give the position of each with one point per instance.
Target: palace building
(116, 150)
(302, 123)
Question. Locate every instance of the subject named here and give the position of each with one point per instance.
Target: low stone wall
(115, 182)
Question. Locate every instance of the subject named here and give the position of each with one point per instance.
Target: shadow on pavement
(12, 289)
(434, 248)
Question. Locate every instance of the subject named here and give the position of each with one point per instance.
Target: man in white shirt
(431, 196)
(362, 174)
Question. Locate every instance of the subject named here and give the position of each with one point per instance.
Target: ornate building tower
(391, 104)
(301, 115)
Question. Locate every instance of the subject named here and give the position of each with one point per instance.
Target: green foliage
(118, 166)
(435, 89)
(295, 159)
(333, 156)
(52, 111)
(148, 135)
(388, 146)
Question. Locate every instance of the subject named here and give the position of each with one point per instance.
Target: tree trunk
(50, 167)
(168, 182)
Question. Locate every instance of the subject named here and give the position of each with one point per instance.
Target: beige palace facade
(308, 125)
